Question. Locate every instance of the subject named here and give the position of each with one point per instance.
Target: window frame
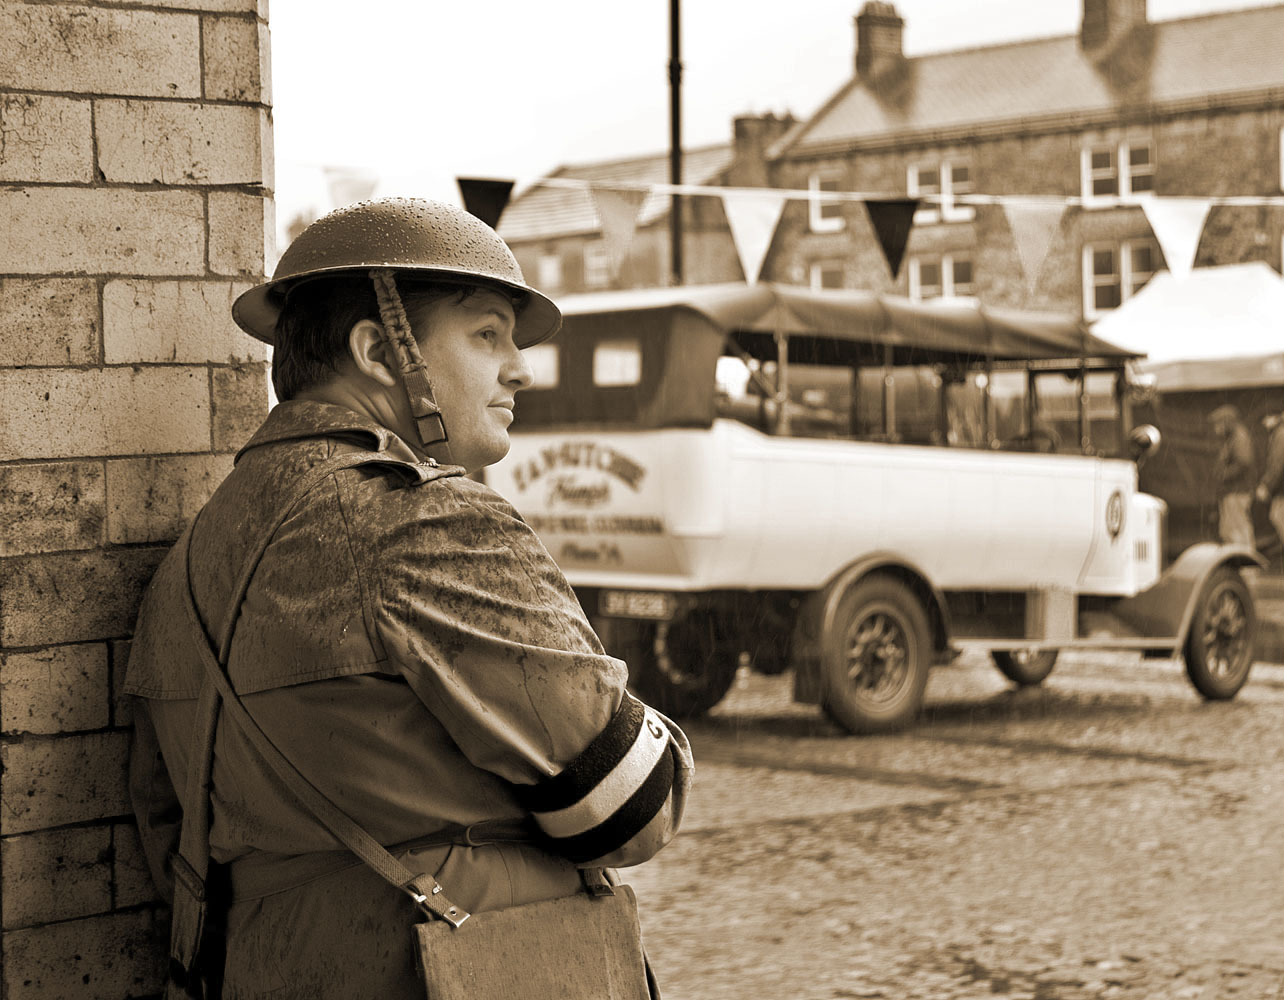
(817, 221)
(946, 190)
(1125, 273)
(816, 271)
(1121, 170)
(949, 286)
(597, 266)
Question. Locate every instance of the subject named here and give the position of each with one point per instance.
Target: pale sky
(423, 91)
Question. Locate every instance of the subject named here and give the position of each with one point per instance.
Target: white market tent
(1215, 328)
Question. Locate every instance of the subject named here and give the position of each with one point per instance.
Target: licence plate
(651, 604)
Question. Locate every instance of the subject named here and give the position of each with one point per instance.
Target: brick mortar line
(126, 910)
(241, 15)
(243, 187)
(117, 365)
(76, 95)
(252, 278)
(28, 739)
(133, 456)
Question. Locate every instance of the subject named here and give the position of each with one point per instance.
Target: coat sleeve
(489, 634)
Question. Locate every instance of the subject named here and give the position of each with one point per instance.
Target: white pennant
(753, 220)
(617, 212)
(1177, 224)
(1033, 227)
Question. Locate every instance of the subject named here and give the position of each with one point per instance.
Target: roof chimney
(1105, 22)
(879, 30)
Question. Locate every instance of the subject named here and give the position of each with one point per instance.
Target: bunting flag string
(753, 224)
(484, 197)
(1178, 224)
(804, 194)
(1033, 227)
(892, 219)
(617, 211)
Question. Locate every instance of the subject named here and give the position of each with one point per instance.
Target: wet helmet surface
(428, 239)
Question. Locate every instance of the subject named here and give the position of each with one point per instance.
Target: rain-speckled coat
(412, 648)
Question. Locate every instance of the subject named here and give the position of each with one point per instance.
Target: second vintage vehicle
(854, 486)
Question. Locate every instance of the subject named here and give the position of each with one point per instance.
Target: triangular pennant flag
(1177, 224)
(1033, 225)
(485, 199)
(892, 219)
(753, 218)
(617, 211)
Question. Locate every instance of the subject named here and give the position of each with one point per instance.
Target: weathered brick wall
(1203, 153)
(135, 162)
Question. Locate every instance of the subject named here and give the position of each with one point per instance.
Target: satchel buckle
(434, 902)
(595, 882)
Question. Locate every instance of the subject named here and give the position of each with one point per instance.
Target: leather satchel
(586, 946)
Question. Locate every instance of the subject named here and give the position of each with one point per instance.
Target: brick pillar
(135, 167)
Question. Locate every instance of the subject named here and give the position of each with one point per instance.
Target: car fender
(1168, 607)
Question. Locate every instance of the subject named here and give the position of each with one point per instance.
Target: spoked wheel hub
(878, 652)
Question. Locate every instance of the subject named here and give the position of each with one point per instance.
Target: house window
(827, 274)
(1118, 171)
(824, 215)
(1114, 272)
(548, 271)
(944, 276)
(597, 265)
(941, 183)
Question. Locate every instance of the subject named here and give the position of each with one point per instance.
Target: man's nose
(518, 371)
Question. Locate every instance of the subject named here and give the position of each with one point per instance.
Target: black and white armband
(611, 791)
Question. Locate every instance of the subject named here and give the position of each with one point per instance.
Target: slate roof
(1162, 64)
(542, 212)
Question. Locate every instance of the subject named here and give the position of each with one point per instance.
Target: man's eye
(486, 334)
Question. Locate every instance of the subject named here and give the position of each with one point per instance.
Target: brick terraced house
(1125, 107)
(1190, 107)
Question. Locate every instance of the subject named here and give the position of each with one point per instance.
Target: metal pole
(675, 137)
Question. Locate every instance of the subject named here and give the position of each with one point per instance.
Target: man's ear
(371, 354)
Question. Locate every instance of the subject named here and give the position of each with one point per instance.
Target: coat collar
(299, 419)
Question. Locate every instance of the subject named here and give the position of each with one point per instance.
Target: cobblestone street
(1106, 836)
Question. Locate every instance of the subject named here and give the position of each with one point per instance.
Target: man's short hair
(318, 314)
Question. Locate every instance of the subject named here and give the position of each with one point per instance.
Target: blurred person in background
(1235, 476)
(1268, 487)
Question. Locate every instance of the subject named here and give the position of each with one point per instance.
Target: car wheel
(1025, 667)
(1219, 648)
(875, 657)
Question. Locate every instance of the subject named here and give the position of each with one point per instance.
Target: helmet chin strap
(429, 422)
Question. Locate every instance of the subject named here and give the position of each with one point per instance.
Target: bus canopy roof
(945, 329)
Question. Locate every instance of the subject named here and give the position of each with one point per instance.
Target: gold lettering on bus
(578, 455)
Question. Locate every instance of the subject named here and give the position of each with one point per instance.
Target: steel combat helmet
(426, 240)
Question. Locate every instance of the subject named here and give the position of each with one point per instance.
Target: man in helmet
(392, 626)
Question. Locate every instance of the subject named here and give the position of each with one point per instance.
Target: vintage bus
(854, 486)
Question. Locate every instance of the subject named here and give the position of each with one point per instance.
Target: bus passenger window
(617, 363)
(545, 364)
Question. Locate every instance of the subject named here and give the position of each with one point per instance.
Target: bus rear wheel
(875, 657)
(681, 668)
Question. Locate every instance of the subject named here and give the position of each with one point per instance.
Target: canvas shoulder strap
(191, 863)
